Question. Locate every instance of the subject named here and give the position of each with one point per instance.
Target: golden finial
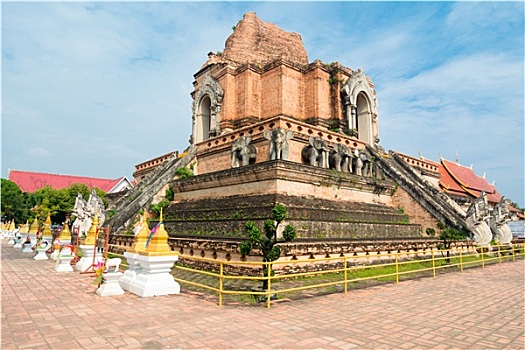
(92, 233)
(158, 244)
(65, 234)
(34, 227)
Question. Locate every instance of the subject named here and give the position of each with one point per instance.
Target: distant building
(29, 181)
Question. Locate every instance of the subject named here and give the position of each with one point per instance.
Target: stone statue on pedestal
(279, 143)
(316, 153)
(477, 214)
(498, 222)
(242, 152)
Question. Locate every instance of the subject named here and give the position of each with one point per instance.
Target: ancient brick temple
(263, 80)
(269, 127)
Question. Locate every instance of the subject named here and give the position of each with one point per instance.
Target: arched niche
(206, 110)
(361, 107)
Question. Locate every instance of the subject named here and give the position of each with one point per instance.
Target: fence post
(433, 264)
(221, 282)
(346, 275)
(482, 257)
(499, 253)
(513, 252)
(397, 268)
(461, 259)
(269, 297)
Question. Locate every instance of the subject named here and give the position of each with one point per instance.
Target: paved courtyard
(476, 309)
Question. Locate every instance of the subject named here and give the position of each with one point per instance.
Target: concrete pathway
(476, 309)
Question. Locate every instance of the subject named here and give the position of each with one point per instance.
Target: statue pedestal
(110, 285)
(18, 242)
(11, 241)
(130, 275)
(87, 259)
(64, 264)
(155, 278)
(26, 248)
(41, 253)
(55, 254)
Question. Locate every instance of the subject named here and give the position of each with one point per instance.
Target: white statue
(477, 216)
(85, 212)
(498, 222)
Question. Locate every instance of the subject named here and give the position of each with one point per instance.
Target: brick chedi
(254, 41)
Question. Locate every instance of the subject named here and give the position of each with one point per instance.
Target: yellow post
(461, 260)
(397, 268)
(499, 253)
(513, 252)
(268, 298)
(433, 264)
(346, 275)
(483, 257)
(220, 283)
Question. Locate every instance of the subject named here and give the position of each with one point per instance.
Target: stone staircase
(436, 202)
(141, 196)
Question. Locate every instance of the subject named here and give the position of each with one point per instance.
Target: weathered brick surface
(258, 42)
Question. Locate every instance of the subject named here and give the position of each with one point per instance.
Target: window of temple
(364, 118)
(203, 119)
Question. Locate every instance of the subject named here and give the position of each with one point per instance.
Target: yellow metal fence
(220, 276)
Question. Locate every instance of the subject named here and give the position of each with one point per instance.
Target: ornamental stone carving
(206, 110)
(498, 222)
(316, 153)
(278, 143)
(242, 153)
(363, 164)
(477, 215)
(342, 158)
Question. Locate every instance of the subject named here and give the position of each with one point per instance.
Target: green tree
(267, 242)
(14, 203)
(449, 235)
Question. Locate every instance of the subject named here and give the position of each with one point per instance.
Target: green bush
(183, 173)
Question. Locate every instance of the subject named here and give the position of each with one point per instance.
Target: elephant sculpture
(341, 158)
(316, 153)
(477, 214)
(278, 143)
(363, 164)
(242, 152)
(498, 222)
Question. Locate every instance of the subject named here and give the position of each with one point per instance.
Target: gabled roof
(461, 180)
(31, 181)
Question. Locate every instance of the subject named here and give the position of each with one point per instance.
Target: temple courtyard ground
(476, 309)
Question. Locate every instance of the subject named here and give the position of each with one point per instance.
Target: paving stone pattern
(476, 309)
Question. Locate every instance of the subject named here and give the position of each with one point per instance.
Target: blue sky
(94, 88)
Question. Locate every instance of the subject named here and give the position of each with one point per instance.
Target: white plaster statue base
(26, 248)
(155, 278)
(132, 272)
(18, 242)
(87, 259)
(11, 241)
(55, 254)
(41, 254)
(64, 264)
(110, 285)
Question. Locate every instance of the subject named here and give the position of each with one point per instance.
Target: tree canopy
(23, 206)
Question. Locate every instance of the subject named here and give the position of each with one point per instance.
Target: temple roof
(31, 181)
(461, 180)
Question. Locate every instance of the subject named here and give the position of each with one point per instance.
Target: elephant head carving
(316, 153)
(341, 158)
(242, 153)
(363, 165)
(278, 143)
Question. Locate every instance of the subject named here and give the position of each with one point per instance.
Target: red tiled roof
(31, 181)
(461, 180)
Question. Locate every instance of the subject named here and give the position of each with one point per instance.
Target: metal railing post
(268, 297)
(397, 268)
(482, 257)
(221, 282)
(499, 253)
(513, 252)
(346, 275)
(433, 264)
(461, 260)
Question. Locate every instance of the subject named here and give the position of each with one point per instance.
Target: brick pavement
(476, 309)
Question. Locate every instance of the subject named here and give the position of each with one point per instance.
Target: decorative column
(134, 268)
(90, 256)
(156, 263)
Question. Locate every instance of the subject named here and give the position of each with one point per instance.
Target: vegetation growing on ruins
(266, 242)
(183, 173)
